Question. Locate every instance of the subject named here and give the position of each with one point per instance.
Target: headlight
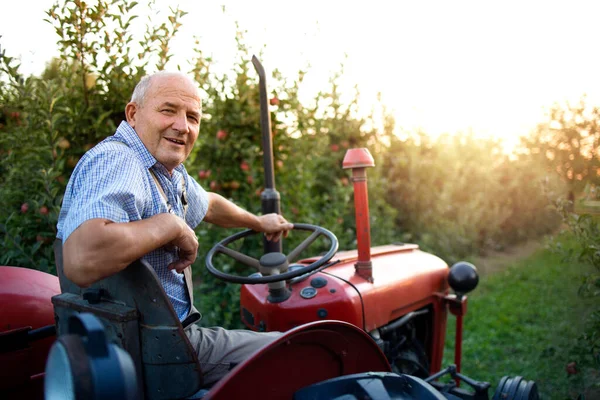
(84, 365)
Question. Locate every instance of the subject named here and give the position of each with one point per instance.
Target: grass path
(523, 319)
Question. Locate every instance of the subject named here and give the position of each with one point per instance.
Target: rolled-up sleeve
(108, 185)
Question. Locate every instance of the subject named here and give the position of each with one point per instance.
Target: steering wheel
(274, 265)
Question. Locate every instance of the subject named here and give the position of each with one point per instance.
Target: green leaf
(35, 247)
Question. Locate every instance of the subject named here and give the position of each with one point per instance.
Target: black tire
(516, 388)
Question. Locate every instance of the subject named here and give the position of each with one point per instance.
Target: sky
(490, 67)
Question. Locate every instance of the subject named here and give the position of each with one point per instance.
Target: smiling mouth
(176, 141)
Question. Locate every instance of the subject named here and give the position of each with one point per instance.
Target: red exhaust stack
(359, 160)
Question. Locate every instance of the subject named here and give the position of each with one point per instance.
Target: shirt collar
(129, 136)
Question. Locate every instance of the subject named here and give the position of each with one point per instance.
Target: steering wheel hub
(274, 260)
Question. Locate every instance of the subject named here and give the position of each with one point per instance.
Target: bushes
(48, 122)
(458, 195)
(35, 158)
(586, 351)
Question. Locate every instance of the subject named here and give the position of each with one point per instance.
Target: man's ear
(131, 110)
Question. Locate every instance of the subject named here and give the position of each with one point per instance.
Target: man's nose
(181, 123)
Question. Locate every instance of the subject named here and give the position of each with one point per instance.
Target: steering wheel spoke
(302, 246)
(236, 255)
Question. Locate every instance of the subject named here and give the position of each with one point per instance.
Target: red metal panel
(402, 282)
(339, 300)
(405, 279)
(25, 302)
(26, 293)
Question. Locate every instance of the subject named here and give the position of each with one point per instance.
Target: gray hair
(139, 93)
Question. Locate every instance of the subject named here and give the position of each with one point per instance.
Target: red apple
(244, 166)
(44, 210)
(24, 207)
(334, 147)
(274, 101)
(221, 134)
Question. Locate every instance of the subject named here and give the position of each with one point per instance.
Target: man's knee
(220, 350)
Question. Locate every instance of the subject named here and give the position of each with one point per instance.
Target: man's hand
(274, 225)
(187, 246)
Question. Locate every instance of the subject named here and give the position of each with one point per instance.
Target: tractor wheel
(516, 389)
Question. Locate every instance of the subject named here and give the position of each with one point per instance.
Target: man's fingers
(179, 266)
(273, 237)
(275, 227)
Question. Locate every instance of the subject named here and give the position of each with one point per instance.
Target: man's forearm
(226, 214)
(100, 248)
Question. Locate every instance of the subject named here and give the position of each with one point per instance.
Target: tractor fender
(25, 303)
(303, 356)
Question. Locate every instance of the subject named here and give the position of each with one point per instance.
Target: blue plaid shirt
(113, 182)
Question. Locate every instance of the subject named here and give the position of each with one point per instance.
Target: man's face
(168, 120)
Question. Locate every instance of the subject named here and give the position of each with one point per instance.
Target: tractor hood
(404, 279)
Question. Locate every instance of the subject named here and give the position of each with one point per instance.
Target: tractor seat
(139, 317)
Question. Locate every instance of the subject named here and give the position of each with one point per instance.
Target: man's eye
(167, 110)
(193, 118)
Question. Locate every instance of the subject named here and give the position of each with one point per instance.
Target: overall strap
(184, 200)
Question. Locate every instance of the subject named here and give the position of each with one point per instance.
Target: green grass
(524, 321)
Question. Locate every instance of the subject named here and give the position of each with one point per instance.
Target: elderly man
(130, 197)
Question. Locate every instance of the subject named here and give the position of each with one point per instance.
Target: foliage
(48, 122)
(34, 157)
(568, 143)
(586, 231)
(459, 195)
(523, 321)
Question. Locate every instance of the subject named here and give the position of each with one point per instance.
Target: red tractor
(368, 323)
